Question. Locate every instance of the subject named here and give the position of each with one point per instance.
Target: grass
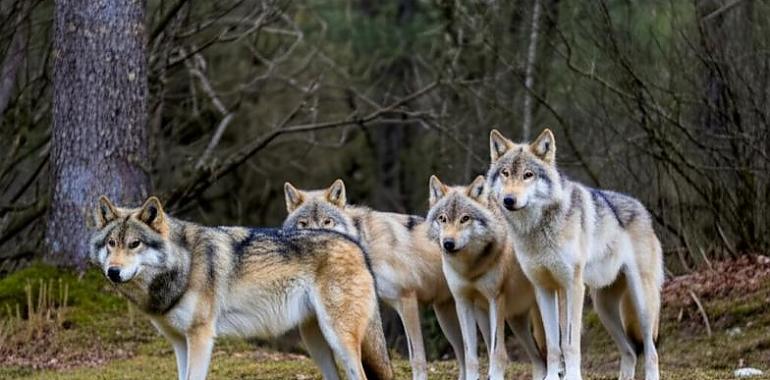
(98, 336)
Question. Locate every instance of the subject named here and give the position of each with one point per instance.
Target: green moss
(89, 295)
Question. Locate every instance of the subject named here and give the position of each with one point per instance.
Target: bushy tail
(374, 351)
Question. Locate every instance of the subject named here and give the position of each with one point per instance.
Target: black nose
(114, 274)
(449, 245)
(509, 202)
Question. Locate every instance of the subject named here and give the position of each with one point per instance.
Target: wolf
(405, 262)
(196, 283)
(483, 273)
(568, 235)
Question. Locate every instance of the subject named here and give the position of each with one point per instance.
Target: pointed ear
(544, 146)
(476, 189)
(498, 145)
(335, 194)
(152, 215)
(105, 212)
(294, 197)
(437, 190)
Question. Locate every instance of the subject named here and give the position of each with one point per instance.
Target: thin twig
(702, 312)
(196, 71)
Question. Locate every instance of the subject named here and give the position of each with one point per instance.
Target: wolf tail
(374, 351)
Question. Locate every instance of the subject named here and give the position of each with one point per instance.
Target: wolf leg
(546, 302)
(446, 313)
(482, 319)
(520, 326)
(465, 314)
(344, 333)
(607, 305)
(180, 351)
(200, 342)
(575, 297)
(180, 348)
(498, 356)
(319, 349)
(345, 346)
(647, 320)
(409, 312)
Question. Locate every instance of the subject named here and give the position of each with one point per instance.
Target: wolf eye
(465, 219)
(528, 174)
(302, 224)
(111, 243)
(505, 173)
(134, 244)
(328, 222)
(442, 218)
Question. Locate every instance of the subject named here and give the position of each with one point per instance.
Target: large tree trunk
(99, 137)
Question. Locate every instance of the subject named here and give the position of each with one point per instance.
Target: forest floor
(98, 335)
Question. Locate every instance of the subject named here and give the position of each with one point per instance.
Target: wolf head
(523, 175)
(128, 241)
(458, 216)
(322, 209)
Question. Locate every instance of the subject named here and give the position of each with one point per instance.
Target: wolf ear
(294, 197)
(152, 215)
(335, 194)
(476, 188)
(498, 145)
(104, 213)
(437, 190)
(544, 146)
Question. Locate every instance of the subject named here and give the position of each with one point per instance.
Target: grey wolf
(405, 262)
(196, 283)
(484, 276)
(567, 236)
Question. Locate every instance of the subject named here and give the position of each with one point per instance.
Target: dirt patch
(726, 279)
(46, 351)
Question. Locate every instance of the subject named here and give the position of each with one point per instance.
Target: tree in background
(99, 137)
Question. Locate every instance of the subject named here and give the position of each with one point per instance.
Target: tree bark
(99, 138)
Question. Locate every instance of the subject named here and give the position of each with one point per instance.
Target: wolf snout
(449, 245)
(509, 202)
(113, 273)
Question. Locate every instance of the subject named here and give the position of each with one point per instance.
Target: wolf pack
(515, 247)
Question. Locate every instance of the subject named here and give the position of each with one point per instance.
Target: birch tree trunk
(99, 137)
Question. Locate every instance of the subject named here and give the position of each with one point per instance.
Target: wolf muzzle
(510, 203)
(449, 246)
(113, 273)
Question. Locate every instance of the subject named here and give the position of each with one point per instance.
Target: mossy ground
(104, 339)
